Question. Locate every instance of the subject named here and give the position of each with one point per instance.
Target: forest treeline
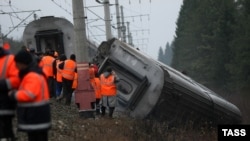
(212, 43)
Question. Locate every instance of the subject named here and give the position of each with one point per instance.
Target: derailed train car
(150, 89)
(55, 33)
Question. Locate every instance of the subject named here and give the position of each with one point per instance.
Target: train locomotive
(150, 89)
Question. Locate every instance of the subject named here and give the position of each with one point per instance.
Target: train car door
(52, 39)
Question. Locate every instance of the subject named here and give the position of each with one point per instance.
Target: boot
(103, 110)
(111, 111)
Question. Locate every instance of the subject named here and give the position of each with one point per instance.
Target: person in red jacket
(32, 96)
(8, 80)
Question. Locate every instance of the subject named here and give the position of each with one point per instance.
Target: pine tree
(168, 54)
(202, 40)
(239, 66)
(161, 55)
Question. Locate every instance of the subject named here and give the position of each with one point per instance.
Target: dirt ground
(67, 125)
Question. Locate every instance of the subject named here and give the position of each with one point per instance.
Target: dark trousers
(67, 90)
(58, 88)
(111, 111)
(52, 85)
(38, 136)
(6, 130)
(97, 106)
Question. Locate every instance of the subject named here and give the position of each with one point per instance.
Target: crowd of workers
(29, 80)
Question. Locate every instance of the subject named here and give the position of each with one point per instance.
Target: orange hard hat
(6, 46)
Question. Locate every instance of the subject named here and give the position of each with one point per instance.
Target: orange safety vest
(9, 72)
(96, 84)
(59, 71)
(108, 87)
(68, 71)
(33, 91)
(48, 65)
(75, 81)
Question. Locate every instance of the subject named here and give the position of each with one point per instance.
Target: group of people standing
(27, 82)
(61, 74)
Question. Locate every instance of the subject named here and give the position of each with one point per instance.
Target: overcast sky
(152, 22)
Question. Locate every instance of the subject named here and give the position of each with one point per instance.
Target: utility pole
(130, 42)
(80, 31)
(123, 27)
(84, 93)
(118, 18)
(107, 19)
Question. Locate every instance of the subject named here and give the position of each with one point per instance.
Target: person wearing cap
(108, 80)
(8, 80)
(32, 97)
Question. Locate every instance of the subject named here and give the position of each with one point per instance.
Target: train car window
(124, 87)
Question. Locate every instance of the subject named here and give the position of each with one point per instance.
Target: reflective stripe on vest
(7, 112)
(34, 126)
(36, 104)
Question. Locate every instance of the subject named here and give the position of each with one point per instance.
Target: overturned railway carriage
(150, 89)
(55, 33)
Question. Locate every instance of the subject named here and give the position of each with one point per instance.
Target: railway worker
(68, 72)
(62, 58)
(32, 97)
(8, 80)
(49, 68)
(108, 81)
(95, 83)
